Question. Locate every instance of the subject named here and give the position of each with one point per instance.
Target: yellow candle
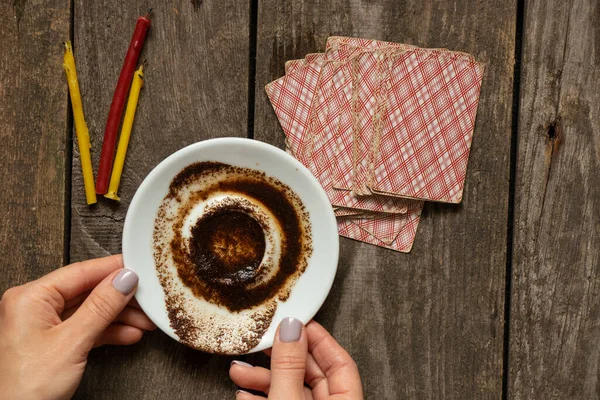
(83, 136)
(134, 95)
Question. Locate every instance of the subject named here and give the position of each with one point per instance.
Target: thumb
(288, 361)
(102, 306)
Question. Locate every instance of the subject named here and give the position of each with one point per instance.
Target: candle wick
(149, 11)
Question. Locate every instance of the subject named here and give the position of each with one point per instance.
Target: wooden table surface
(500, 296)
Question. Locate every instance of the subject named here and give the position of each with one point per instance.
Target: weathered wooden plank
(195, 88)
(34, 136)
(555, 318)
(428, 324)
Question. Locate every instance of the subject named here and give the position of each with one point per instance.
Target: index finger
(339, 368)
(80, 277)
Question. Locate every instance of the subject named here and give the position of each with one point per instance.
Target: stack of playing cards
(383, 127)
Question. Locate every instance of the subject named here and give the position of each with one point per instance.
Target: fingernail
(125, 281)
(241, 391)
(290, 330)
(243, 364)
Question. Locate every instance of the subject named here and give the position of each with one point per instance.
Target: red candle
(118, 103)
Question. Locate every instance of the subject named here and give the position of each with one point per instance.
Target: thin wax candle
(118, 102)
(134, 95)
(83, 136)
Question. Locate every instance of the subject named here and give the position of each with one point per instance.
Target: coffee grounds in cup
(224, 270)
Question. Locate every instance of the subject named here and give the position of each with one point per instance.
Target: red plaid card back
(428, 127)
(291, 97)
(347, 212)
(356, 132)
(404, 239)
(382, 226)
(329, 102)
(293, 65)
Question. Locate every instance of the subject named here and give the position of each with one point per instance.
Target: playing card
(424, 144)
(404, 239)
(342, 152)
(366, 81)
(347, 212)
(357, 122)
(382, 226)
(321, 118)
(314, 57)
(342, 48)
(365, 44)
(293, 65)
(369, 120)
(331, 95)
(348, 44)
(291, 97)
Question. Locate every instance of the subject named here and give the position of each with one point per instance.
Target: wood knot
(552, 132)
(554, 139)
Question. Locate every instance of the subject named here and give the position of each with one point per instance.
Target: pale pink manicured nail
(290, 330)
(125, 281)
(243, 364)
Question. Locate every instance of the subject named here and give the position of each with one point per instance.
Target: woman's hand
(48, 326)
(301, 355)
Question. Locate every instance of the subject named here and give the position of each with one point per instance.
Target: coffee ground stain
(224, 261)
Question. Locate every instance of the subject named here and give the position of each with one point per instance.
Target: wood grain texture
(196, 85)
(34, 138)
(555, 318)
(427, 325)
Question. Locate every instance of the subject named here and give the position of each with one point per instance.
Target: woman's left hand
(48, 326)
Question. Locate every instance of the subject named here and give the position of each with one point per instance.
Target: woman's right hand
(301, 355)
